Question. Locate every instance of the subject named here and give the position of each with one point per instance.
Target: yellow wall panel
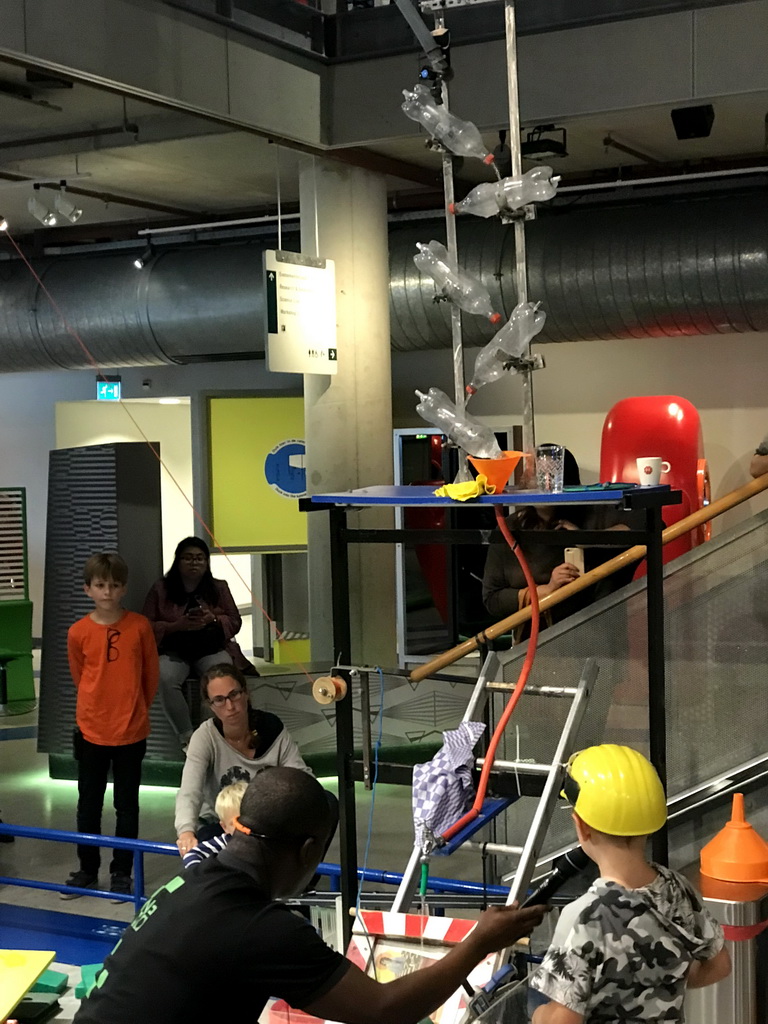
(247, 511)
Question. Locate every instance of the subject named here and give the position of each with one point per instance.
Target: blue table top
(386, 494)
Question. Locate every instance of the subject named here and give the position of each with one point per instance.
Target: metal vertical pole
(345, 746)
(521, 275)
(451, 245)
(657, 710)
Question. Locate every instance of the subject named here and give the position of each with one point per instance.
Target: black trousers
(92, 770)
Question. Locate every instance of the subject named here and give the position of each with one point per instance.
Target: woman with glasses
(233, 746)
(194, 618)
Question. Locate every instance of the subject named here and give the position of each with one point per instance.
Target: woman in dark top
(504, 588)
(194, 618)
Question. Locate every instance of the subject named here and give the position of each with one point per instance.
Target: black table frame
(649, 500)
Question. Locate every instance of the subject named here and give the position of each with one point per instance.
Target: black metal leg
(345, 745)
(657, 711)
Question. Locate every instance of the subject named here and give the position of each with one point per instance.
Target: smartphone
(576, 557)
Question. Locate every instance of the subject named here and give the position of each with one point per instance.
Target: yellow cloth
(463, 492)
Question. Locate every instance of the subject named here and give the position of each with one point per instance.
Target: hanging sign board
(301, 313)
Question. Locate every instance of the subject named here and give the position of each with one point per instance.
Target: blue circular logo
(284, 469)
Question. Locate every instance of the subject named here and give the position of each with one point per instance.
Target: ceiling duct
(642, 271)
(651, 270)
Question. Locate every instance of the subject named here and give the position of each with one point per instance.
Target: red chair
(669, 427)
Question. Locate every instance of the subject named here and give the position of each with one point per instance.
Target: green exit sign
(108, 390)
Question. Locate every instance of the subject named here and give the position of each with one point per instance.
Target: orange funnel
(498, 471)
(737, 853)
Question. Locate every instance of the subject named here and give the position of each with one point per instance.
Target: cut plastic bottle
(474, 437)
(459, 137)
(494, 197)
(510, 342)
(461, 288)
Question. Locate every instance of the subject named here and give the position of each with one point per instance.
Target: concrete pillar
(348, 417)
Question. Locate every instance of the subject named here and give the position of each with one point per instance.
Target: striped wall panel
(100, 498)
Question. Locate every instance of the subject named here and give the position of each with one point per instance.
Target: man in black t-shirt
(216, 939)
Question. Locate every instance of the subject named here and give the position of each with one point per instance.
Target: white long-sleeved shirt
(212, 764)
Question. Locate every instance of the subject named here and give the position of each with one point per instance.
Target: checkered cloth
(442, 788)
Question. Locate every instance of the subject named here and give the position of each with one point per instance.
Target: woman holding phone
(552, 565)
(194, 618)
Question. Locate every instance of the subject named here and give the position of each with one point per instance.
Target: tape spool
(329, 689)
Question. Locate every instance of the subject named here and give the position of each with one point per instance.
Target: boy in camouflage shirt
(627, 948)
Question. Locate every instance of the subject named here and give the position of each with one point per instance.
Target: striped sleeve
(209, 848)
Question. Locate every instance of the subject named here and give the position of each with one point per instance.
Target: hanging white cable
(279, 200)
(317, 227)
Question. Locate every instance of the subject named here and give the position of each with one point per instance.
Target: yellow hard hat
(615, 790)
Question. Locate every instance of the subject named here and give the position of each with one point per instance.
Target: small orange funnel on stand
(737, 853)
(497, 471)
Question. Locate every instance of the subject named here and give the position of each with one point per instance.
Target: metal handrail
(138, 846)
(141, 846)
(633, 554)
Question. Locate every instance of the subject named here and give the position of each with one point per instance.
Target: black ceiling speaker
(693, 122)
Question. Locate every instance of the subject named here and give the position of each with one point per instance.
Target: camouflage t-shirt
(623, 954)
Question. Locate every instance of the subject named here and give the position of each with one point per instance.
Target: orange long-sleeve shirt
(115, 670)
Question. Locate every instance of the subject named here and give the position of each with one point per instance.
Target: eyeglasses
(240, 827)
(219, 702)
(193, 558)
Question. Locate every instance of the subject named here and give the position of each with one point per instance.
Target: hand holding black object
(566, 867)
(500, 927)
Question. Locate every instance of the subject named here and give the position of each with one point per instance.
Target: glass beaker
(550, 460)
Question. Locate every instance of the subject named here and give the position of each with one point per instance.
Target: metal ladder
(551, 776)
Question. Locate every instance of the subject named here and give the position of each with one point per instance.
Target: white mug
(649, 471)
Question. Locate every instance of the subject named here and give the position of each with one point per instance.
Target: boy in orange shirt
(114, 665)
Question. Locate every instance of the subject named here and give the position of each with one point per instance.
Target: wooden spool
(329, 689)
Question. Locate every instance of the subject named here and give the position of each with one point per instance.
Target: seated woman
(194, 618)
(233, 746)
(504, 588)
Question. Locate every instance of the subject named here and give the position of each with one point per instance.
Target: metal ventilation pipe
(185, 305)
(644, 271)
(664, 269)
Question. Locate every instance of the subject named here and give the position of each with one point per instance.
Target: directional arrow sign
(301, 313)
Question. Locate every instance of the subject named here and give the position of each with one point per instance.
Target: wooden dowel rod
(633, 554)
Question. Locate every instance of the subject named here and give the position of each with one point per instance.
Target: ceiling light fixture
(3, 224)
(40, 211)
(541, 146)
(141, 261)
(66, 207)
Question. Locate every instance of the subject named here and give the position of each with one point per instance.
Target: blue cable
(376, 749)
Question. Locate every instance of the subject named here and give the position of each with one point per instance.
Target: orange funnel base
(737, 853)
(497, 471)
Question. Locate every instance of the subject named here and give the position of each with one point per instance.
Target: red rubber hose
(525, 671)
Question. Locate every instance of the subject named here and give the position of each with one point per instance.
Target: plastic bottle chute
(461, 288)
(468, 433)
(509, 194)
(459, 137)
(508, 344)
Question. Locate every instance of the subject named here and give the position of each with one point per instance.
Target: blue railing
(141, 846)
(137, 846)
